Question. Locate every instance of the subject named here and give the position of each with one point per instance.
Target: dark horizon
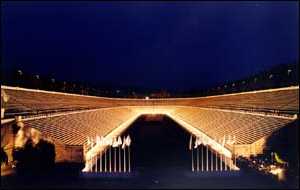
(279, 69)
(174, 46)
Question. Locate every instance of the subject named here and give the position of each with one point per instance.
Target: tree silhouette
(3, 156)
(35, 158)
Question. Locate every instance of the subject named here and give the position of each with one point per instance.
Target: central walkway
(157, 145)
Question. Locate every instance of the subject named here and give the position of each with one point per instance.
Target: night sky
(175, 46)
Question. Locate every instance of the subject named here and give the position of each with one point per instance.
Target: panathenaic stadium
(68, 119)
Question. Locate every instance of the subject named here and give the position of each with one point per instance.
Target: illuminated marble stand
(105, 162)
(200, 140)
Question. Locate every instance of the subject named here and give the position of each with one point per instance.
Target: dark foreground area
(167, 178)
(160, 159)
